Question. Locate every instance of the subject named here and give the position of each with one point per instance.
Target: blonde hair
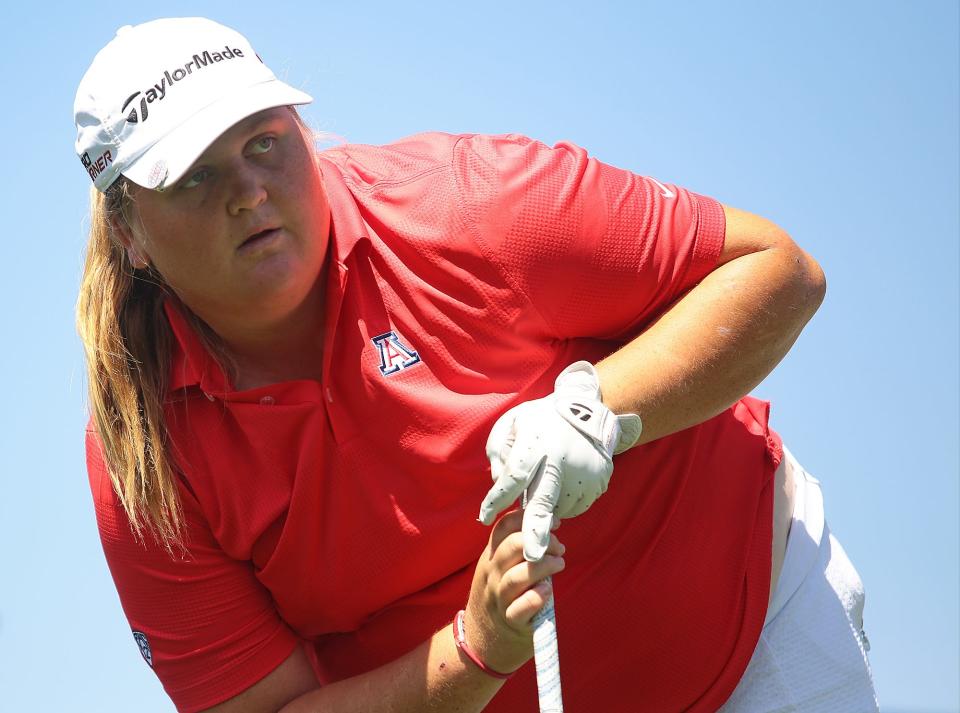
(126, 338)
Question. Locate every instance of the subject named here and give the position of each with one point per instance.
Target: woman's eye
(263, 144)
(195, 179)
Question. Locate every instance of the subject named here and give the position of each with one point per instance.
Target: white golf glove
(560, 450)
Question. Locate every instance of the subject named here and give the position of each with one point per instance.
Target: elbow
(814, 281)
(808, 279)
(802, 278)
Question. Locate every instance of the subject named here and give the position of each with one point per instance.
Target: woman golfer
(311, 372)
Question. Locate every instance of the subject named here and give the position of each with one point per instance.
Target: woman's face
(243, 235)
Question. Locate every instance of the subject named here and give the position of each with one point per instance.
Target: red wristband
(458, 636)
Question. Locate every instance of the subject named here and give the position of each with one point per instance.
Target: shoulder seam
(471, 221)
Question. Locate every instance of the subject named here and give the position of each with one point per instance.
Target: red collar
(190, 362)
(347, 225)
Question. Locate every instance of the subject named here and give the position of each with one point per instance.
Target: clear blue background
(838, 120)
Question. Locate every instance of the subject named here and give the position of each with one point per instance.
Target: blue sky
(839, 121)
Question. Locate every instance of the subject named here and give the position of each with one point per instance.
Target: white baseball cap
(160, 93)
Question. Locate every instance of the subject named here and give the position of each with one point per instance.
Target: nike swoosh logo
(667, 193)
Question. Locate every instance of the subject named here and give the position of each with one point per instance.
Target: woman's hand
(506, 593)
(559, 449)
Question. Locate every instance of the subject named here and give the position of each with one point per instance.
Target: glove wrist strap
(579, 400)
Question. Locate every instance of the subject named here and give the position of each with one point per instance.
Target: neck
(285, 349)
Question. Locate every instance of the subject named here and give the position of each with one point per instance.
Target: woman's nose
(246, 191)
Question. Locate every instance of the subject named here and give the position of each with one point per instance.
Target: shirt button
(267, 401)
(329, 395)
(210, 397)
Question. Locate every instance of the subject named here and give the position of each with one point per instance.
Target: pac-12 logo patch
(394, 354)
(144, 645)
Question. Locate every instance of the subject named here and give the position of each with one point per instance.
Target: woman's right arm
(506, 592)
(432, 677)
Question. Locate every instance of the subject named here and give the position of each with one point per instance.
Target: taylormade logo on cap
(158, 91)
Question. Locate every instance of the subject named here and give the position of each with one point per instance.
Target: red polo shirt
(466, 272)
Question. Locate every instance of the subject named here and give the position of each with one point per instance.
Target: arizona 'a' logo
(394, 354)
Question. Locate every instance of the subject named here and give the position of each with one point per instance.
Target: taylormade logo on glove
(560, 450)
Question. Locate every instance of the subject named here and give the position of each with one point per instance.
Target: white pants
(812, 653)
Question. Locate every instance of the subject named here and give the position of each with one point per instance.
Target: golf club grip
(546, 656)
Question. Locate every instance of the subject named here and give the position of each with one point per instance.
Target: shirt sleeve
(597, 251)
(201, 619)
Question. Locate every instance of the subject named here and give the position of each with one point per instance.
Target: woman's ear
(135, 253)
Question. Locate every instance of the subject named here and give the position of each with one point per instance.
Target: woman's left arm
(723, 337)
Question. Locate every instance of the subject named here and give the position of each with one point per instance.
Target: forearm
(433, 678)
(716, 343)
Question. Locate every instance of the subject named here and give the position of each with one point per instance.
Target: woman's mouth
(259, 239)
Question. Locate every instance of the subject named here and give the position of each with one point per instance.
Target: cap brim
(164, 163)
